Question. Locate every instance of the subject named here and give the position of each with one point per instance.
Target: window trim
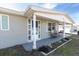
(8, 23)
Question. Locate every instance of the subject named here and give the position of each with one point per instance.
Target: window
(5, 22)
(51, 26)
(29, 21)
(36, 24)
(29, 37)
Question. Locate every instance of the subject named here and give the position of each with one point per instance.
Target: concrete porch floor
(43, 42)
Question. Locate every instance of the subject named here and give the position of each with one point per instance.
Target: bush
(45, 49)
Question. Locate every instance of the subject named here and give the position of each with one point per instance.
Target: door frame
(39, 30)
(32, 30)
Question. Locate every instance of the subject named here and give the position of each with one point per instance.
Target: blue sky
(71, 8)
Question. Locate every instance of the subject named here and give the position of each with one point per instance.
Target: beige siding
(44, 29)
(16, 34)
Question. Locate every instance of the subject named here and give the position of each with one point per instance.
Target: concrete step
(28, 46)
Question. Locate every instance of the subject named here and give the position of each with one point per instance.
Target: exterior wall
(17, 33)
(60, 28)
(44, 29)
(77, 26)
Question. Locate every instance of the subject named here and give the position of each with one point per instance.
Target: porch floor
(43, 42)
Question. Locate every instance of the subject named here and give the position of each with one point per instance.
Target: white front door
(30, 29)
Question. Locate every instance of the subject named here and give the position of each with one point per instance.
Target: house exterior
(77, 27)
(31, 25)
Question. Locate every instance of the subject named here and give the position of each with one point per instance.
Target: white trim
(8, 23)
(39, 30)
(29, 29)
(32, 29)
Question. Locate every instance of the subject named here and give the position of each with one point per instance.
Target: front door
(30, 29)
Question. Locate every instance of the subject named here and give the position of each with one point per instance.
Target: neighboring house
(77, 27)
(74, 29)
(33, 24)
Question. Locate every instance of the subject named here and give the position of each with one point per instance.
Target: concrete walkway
(29, 46)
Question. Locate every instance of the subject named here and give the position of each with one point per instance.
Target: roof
(33, 9)
(10, 11)
(40, 9)
(47, 11)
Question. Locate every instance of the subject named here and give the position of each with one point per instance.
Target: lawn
(12, 51)
(18, 51)
(70, 49)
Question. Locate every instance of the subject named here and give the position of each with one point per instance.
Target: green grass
(17, 51)
(13, 51)
(70, 49)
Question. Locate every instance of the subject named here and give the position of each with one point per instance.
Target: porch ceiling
(53, 17)
(49, 19)
(45, 18)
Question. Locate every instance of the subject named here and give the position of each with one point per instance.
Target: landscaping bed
(70, 49)
(49, 49)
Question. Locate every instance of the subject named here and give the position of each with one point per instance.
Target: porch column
(64, 29)
(34, 31)
(56, 26)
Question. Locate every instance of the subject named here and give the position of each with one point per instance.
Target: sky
(72, 9)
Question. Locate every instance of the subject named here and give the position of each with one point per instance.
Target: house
(74, 29)
(32, 25)
(77, 27)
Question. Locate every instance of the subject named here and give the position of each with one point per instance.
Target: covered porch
(43, 42)
(39, 28)
(40, 32)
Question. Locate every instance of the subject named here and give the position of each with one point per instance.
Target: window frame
(8, 23)
(52, 27)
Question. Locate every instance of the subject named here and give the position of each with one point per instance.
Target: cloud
(49, 5)
(9, 6)
(16, 6)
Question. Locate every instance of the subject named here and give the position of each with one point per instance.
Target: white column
(56, 25)
(34, 31)
(64, 29)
